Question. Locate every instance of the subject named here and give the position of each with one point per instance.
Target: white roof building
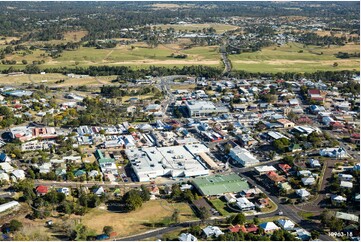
(307, 181)
(18, 175)
(286, 224)
(9, 205)
(6, 167)
(203, 108)
(244, 204)
(346, 184)
(269, 227)
(212, 231)
(187, 237)
(334, 152)
(303, 193)
(243, 156)
(151, 162)
(264, 169)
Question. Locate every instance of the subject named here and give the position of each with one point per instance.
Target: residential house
(79, 173)
(99, 191)
(304, 173)
(41, 190)
(303, 234)
(285, 187)
(303, 193)
(285, 167)
(286, 123)
(154, 190)
(4, 176)
(210, 231)
(249, 228)
(246, 140)
(261, 170)
(269, 227)
(262, 203)
(64, 190)
(5, 166)
(316, 95)
(234, 228)
(252, 192)
(244, 204)
(295, 148)
(286, 224)
(347, 217)
(345, 177)
(230, 197)
(18, 175)
(315, 163)
(187, 237)
(337, 199)
(346, 184)
(275, 178)
(355, 138)
(308, 181)
(334, 152)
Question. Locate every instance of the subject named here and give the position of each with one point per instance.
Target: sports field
(294, 58)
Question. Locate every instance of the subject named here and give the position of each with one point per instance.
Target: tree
(107, 230)
(204, 214)
(256, 220)
(315, 234)
(145, 194)
(176, 191)
(132, 200)
(176, 216)
(15, 225)
(239, 219)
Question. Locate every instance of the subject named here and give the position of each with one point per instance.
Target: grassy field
(291, 57)
(220, 28)
(137, 56)
(288, 58)
(137, 221)
(221, 207)
(49, 79)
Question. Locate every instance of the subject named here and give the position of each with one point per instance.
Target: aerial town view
(180, 121)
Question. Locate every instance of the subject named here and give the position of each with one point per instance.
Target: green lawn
(221, 207)
(306, 215)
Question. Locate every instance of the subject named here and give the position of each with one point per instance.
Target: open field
(220, 28)
(138, 55)
(49, 79)
(287, 58)
(137, 221)
(291, 57)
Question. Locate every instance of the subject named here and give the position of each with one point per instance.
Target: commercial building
(203, 108)
(218, 185)
(173, 161)
(243, 156)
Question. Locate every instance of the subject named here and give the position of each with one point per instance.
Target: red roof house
(250, 228)
(285, 167)
(234, 228)
(41, 190)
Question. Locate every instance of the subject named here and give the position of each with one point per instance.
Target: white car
(280, 213)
